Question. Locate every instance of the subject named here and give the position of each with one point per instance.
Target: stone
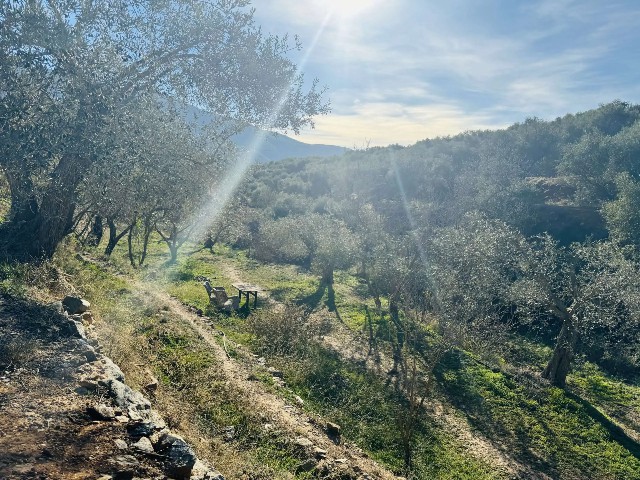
(144, 445)
(202, 471)
(121, 444)
(87, 318)
(85, 349)
(306, 466)
(101, 412)
(154, 423)
(319, 452)
(110, 370)
(152, 385)
(298, 400)
(180, 456)
(57, 306)
(303, 442)
(333, 429)
(275, 373)
(133, 414)
(74, 305)
(126, 463)
(229, 433)
(127, 398)
(77, 329)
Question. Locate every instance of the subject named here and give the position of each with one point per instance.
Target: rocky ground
(65, 411)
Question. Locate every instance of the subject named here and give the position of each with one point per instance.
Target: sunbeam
(225, 190)
(207, 215)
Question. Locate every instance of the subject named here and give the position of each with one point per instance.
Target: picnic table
(247, 290)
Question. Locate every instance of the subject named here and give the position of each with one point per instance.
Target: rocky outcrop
(147, 431)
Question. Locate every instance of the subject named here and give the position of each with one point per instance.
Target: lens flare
(232, 179)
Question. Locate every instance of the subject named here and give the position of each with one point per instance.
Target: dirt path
(285, 416)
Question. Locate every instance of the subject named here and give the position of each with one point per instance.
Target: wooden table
(247, 290)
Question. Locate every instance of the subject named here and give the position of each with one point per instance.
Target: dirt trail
(276, 411)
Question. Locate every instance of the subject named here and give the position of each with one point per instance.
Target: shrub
(288, 331)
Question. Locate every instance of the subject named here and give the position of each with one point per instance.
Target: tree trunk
(560, 363)
(114, 237)
(173, 250)
(97, 231)
(327, 277)
(35, 231)
(130, 248)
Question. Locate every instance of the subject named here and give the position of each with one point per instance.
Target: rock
(306, 466)
(85, 349)
(333, 430)
(108, 370)
(133, 414)
(74, 305)
(229, 433)
(87, 318)
(180, 456)
(125, 463)
(57, 306)
(128, 399)
(101, 412)
(303, 442)
(144, 445)
(298, 400)
(121, 444)
(275, 373)
(147, 428)
(201, 471)
(319, 452)
(77, 329)
(152, 386)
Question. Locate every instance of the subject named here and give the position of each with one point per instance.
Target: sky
(400, 71)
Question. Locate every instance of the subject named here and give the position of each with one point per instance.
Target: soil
(46, 431)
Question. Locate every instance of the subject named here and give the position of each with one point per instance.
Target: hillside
(435, 311)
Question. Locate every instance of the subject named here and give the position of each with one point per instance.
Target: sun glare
(346, 9)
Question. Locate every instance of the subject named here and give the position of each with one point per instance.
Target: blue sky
(399, 71)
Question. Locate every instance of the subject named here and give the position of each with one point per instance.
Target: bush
(288, 331)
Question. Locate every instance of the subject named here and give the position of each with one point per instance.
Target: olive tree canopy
(67, 66)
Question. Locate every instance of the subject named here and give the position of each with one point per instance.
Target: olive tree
(486, 273)
(68, 67)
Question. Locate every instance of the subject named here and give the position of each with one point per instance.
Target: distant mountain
(275, 146)
(271, 146)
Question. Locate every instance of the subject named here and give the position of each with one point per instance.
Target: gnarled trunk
(35, 231)
(560, 363)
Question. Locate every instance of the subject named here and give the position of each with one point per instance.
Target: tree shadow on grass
(482, 397)
(313, 300)
(615, 431)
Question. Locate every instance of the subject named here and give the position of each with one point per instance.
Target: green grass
(369, 412)
(562, 434)
(544, 427)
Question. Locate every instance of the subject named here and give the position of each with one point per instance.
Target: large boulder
(73, 305)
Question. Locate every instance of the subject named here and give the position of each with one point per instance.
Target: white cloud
(406, 70)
